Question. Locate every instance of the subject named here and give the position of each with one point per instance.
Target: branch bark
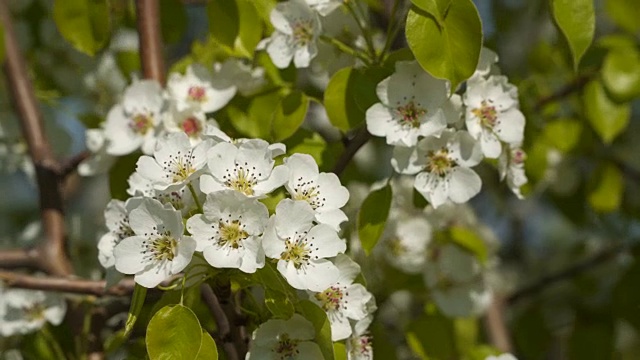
(151, 54)
(52, 256)
(222, 321)
(496, 326)
(351, 148)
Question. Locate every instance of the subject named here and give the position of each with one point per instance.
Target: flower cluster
(24, 311)
(439, 135)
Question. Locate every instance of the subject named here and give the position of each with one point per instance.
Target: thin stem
(351, 148)
(195, 197)
(365, 33)
(346, 49)
(55, 346)
(221, 319)
(392, 30)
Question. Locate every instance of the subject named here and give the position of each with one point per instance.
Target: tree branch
(18, 258)
(52, 256)
(151, 54)
(222, 321)
(574, 86)
(351, 148)
(496, 325)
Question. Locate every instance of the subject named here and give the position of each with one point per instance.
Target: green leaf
(607, 118)
(339, 351)
(621, 73)
(250, 28)
(128, 62)
(208, 349)
(278, 303)
(350, 93)
(609, 187)
(563, 134)
(289, 115)
(318, 318)
(119, 174)
(431, 7)
(577, 22)
(139, 294)
(173, 20)
(469, 240)
(625, 13)
(86, 24)
(372, 217)
(174, 332)
(224, 21)
(450, 50)
(432, 335)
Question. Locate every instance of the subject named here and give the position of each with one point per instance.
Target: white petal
(129, 255)
(464, 184)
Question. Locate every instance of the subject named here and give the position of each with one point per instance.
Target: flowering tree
(320, 179)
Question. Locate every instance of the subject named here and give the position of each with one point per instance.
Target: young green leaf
(606, 195)
(449, 50)
(470, 240)
(577, 22)
(625, 13)
(224, 21)
(289, 115)
(621, 73)
(372, 217)
(318, 318)
(208, 349)
(139, 294)
(174, 332)
(86, 24)
(608, 118)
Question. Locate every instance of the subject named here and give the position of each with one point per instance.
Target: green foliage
(608, 187)
(372, 217)
(173, 20)
(432, 336)
(208, 349)
(289, 115)
(469, 240)
(137, 300)
(563, 134)
(592, 337)
(607, 118)
(625, 13)
(174, 333)
(351, 91)
(450, 48)
(621, 73)
(85, 24)
(119, 174)
(235, 24)
(321, 323)
(577, 21)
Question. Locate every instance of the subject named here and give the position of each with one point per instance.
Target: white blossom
(406, 242)
(217, 136)
(411, 105)
(443, 167)
(24, 311)
(297, 28)
(285, 339)
(246, 167)
(359, 345)
(343, 301)
(116, 216)
(488, 58)
(511, 167)
(454, 277)
(199, 90)
(133, 123)
(189, 121)
(324, 7)
(302, 247)
(228, 233)
(492, 115)
(99, 161)
(246, 79)
(179, 198)
(505, 356)
(174, 163)
(323, 191)
(158, 249)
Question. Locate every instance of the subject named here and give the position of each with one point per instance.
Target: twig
(574, 86)
(52, 256)
(222, 322)
(351, 148)
(496, 326)
(70, 166)
(18, 258)
(565, 274)
(148, 14)
(68, 285)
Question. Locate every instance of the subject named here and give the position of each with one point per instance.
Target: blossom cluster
(439, 135)
(25, 311)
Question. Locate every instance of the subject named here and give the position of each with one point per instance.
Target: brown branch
(18, 258)
(74, 286)
(222, 321)
(52, 256)
(565, 274)
(496, 325)
(71, 164)
(151, 54)
(351, 148)
(574, 86)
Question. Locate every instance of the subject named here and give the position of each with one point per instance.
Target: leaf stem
(195, 197)
(365, 31)
(55, 346)
(346, 49)
(392, 30)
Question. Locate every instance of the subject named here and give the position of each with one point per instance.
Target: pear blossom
(100, 160)
(454, 277)
(511, 167)
(158, 249)
(443, 167)
(359, 345)
(228, 233)
(505, 356)
(199, 90)
(285, 339)
(301, 247)
(406, 243)
(246, 167)
(323, 191)
(324, 7)
(24, 311)
(189, 121)
(116, 216)
(488, 58)
(217, 136)
(246, 79)
(179, 198)
(296, 30)
(343, 301)
(174, 163)
(133, 123)
(411, 106)
(492, 116)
